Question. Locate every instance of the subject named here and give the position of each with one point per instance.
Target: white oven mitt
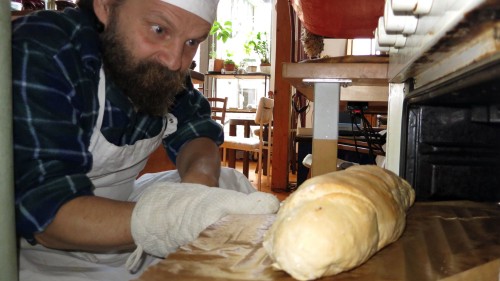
(169, 215)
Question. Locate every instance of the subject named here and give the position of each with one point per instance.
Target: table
(324, 78)
(197, 77)
(455, 240)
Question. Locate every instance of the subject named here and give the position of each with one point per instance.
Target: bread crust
(335, 222)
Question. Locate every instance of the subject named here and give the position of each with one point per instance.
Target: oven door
(445, 92)
(451, 138)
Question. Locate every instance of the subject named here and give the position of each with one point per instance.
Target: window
(248, 17)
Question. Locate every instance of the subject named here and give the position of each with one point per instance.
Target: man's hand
(199, 162)
(169, 215)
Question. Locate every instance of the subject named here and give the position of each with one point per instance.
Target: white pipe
(8, 247)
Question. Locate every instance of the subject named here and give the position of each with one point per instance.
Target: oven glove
(169, 215)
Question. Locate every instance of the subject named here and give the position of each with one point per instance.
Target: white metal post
(394, 123)
(325, 129)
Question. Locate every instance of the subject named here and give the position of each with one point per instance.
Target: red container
(340, 18)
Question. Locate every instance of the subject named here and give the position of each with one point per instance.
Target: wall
(8, 256)
(334, 47)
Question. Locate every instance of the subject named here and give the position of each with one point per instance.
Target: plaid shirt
(55, 74)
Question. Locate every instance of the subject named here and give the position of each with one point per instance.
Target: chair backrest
(219, 106)
(62, 4)
(264, 114)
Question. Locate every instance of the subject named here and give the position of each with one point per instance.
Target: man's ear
(102, 9)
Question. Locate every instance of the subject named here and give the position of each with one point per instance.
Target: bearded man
(96, 90)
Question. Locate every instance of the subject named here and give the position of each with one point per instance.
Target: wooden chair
(219, 106)
(263, 116)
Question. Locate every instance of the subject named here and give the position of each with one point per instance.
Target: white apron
(113, 173)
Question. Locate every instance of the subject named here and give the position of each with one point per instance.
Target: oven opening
(451, 138)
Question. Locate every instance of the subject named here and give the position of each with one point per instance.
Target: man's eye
(157, 29)
(192, 42)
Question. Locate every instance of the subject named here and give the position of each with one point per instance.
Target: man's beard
(149, 85)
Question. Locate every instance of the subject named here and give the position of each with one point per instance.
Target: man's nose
(172, 55)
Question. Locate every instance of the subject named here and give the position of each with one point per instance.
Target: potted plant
(249, 63)
(221, 32)
(229, 64)
(260, 46)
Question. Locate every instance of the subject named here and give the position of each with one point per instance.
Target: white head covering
(205, 9)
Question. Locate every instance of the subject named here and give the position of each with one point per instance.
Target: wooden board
(456, 240)
(368, 75)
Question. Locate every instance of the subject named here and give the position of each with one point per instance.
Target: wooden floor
(265, 184)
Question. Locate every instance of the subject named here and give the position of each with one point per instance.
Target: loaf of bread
(335, 222)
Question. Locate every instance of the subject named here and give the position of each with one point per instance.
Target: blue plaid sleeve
(192, 110)
(52, 122)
